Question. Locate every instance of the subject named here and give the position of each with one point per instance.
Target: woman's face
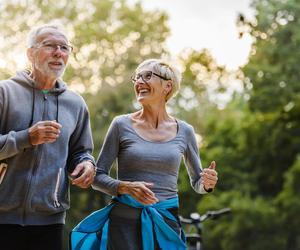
(149, 86)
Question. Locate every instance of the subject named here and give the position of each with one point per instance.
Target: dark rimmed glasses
(51, 47)
(146, 76)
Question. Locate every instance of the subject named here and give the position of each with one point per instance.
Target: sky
(202, 24)
(207, 24)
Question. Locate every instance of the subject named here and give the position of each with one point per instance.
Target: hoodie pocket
(57, 185)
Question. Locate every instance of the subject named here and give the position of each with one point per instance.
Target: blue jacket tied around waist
(84, 235)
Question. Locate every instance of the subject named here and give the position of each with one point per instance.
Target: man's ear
(29, 53)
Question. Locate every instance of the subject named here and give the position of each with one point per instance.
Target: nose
(58, 51)
(140, 81)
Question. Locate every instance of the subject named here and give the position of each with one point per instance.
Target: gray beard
(45, 70)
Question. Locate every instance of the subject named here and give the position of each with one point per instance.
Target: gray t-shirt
(142, 160)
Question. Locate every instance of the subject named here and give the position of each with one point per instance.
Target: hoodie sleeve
(81, 142)
(13, 142)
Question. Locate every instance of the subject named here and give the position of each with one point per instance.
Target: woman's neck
(153, 115)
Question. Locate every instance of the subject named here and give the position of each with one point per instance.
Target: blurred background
(241, 92)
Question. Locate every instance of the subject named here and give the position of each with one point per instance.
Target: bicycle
(194, 239)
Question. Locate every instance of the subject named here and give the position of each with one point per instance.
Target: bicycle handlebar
(196, 218)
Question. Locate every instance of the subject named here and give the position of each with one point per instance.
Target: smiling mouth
(143, 92)
(55, 65)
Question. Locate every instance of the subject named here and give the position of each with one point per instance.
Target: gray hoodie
(35, 187)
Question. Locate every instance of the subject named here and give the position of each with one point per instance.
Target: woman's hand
(139, 190)
(209, 176)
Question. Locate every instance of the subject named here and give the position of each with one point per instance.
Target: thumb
(212, 165)
(148, 184)
(77, 170)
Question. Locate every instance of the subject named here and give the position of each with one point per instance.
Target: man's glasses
(146, 76)
(51, 47)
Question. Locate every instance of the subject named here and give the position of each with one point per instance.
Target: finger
(148, 194)
(148, 184)
(146, 201)
(212, 165)
(79, 180)
(143, 197)
(85, 176)
(209, 176)
(209, 183)
(51, 138)
(210, 171)
(50, 135)
(79, 168)
(49, 129)
(52, 124)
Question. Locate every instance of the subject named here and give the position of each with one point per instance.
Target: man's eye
(64, 47)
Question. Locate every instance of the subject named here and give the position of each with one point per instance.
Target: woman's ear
(168, 87)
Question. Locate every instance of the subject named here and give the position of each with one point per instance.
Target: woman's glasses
(146, 76)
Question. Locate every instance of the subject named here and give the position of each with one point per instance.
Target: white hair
(36, 31)
(166, 70)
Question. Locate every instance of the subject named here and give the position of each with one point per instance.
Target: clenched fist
(44, 132)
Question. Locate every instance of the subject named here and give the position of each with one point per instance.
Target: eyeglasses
(51, 47)
(146, 76)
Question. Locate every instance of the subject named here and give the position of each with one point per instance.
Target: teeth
(143, 91)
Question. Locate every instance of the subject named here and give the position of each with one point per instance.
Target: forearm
(13, 143)
(106, 184)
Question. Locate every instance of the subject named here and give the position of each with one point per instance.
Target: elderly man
(45, 137)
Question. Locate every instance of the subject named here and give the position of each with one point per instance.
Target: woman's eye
(148, 76)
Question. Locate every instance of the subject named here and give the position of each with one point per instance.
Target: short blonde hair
(166, 70)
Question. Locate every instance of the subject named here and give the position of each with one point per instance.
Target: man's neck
(43, 82)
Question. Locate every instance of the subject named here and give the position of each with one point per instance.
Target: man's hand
(139, 190)
(83, 174)
(44, 132)
(209, 176)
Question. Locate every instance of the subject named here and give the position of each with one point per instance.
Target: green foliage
(289, 204)
(248, 227)
(254, 138)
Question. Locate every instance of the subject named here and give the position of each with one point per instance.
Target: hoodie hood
(23, 78)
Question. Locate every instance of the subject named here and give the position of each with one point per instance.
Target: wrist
(91, 165)
(123, 187)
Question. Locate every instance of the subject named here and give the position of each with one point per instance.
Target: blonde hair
(166, 70)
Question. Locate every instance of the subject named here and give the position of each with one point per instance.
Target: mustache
(56, 61)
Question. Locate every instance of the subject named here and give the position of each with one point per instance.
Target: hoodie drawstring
(33, 107)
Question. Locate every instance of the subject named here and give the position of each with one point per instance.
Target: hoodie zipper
(37, 156)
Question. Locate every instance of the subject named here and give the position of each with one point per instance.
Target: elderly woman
(148, 145)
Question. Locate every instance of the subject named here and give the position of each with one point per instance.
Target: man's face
(48, 57)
